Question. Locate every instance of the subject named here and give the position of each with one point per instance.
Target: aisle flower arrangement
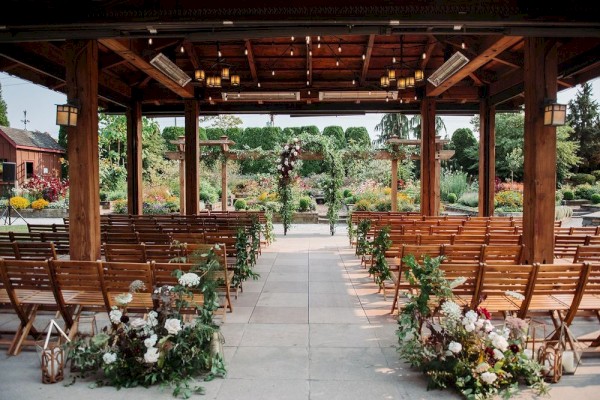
(170, 345)
(288, 160)
(459, 347)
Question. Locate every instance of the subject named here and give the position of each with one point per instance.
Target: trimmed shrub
(347, 193)
(568, 195)
(304, 204)
(350, 200)
(509, 200)
(452, 198)
(596, 174)
(240, 204)
(469, 199)
(362, 205)
(383, 205)
(580, 179)
(596, 198)
(585, 191)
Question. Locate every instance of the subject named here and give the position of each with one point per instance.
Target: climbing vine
(243, 269)
(380, 268)
(363, 245)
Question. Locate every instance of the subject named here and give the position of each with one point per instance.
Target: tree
(583, 118)
(466, 151)
(3, 111)
(392, 124)
(566, 153)
(222, 121)
(358, 135)
(415, 126)
(170, 133)
(514, 162)
(336, 133)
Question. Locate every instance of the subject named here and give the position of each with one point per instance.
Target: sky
(40, 104)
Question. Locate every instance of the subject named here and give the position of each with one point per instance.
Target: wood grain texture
(192, 152)
(134, 159)
(487, 157)
(429, 200)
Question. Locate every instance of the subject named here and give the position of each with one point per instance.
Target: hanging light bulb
(310, 53)
(225, 97)
(369, 92)
(387, 99)
(292, 52)
(258, 84)
(394, 60)
(401, 101)
(293, 38)
(463, 45)
(307, 83)
(307, 72)
(238, 95)
(219, 54)
(416, 98)
(354, 81)
(150, 41)
(245, 52)
(337, 62)
(424, 55)
(319, 45)
(273, 72)
(182, 49)
(339, 48)
(307, 39)
(318, 38)
(209, 98)
(364, 57)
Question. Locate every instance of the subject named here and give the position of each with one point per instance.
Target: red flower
(484, 313)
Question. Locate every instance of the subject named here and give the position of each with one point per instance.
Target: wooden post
(81, 62)
(539, 172)
(394, 184)
(430, 191)
(134, 159)
(182, 187)
(192, 154)
(487, 156)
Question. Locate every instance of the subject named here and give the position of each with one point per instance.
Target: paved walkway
(312, 327)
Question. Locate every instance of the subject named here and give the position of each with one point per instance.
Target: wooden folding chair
(124, 252)
(165, 253)
(29, 289)
(496, 281)
(117, 276)
(465, 293)
(78, 287)
(502, 254)
(35, 250)
(462, 254)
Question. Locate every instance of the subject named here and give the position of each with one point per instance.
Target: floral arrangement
(459, 347)
(161, 347)
(287, 161)
(46, 187)
(39, 204)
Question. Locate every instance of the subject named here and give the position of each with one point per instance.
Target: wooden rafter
(251, 63)
(368, 52)
(123, 48)
(490, 49)
(190, 50)
(431, 43)
(478, 82)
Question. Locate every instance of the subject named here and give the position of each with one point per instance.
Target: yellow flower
(39, 204)
(19, 202)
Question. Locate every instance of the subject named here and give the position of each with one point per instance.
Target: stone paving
(311, 327)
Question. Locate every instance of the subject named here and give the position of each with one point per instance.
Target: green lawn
(14, 228)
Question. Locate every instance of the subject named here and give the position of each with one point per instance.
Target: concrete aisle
(312, 327)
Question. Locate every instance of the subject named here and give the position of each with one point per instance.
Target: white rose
(151, 355)
(286, 147)
(482, 367)
(297, 147)
(488, 326)
(469, 327)
(498, 355)
(470, 317)
(489, 377)
(138, 323)
(173, 326)
(500, 343)
(109, 358)
(455, 347)
(479, 324)
(115, 316)
(151, 341)
(286, 162)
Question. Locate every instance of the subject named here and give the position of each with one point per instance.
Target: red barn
(34, 153)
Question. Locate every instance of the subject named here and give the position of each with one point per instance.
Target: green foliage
(469, 199)
(586, 191)
(452, 198)
(509, 200)
(392, 124)
(583, 118)
(62, 142)
(3, 111)
(240, 204)
(347, 193)
(596, 174)
(363, 246)
(415, 126)
(358, 135)
(336, 133)
(453, 181)
(580, 179)
(466, 151)
(566, 153)
(266, 138)
(116, 195)
(595, 198)
(380, 269)
(514, 162)
(170, 133)
(208, 193)
(562, 212)
(362, 205)
(568, 195)
(243, 267)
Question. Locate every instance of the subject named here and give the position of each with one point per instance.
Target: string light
(354, 81)
(258, 84)
(463, 45)
(394, 60)
(339, 48)
(293, 38)
(307, 83)
(219, 53)
(337, 62)
(273, 72)
(182, 49)
(387, 99)
(319, 45)
(364, 57)
(307, 72)
(150, 41)
(310, 53)
(401, 101)
(292, 52)
(209, 98)
(245, 52)
(424, 55)
(307, 39)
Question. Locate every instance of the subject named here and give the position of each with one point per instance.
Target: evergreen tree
(583, 117)
(337, 135)
(3, 110)
(359, 135)
(392, 124)
(466, 154)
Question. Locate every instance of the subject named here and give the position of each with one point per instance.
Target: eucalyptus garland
(287, 161)
(268, 227)
(351, 232)
(254, 232)
(243, 269)
(380, 268)
(363, 246)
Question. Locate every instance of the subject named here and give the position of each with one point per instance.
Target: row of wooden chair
(71, 287)
(561, 291)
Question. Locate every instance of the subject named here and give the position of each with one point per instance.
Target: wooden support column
(81, 62)
(134, 159)
(487, 156)
(192, 157)
(224, 185)
(539, 171)
(394, 184)
(430, 190)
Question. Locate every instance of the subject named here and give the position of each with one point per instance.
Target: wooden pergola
(141, 57)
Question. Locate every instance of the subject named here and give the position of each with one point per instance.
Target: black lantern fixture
(66, 114)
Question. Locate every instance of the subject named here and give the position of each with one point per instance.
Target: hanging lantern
(235, 80)
(401, 83)
(384, 81)
(217, 81)
(199, 74)
(419, 75)
(210, 81)
(225, 73)
(391, 75)
(410, 81)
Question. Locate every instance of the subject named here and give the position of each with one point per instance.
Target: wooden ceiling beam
(108, 61)
(190, 50)
(251, 63)
(429, 48)
(490, 48)
(367, 60)
(124, 49)
(478, 82)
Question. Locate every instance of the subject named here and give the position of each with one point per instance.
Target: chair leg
(17, 345)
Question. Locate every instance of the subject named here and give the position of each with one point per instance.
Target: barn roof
(23, 139)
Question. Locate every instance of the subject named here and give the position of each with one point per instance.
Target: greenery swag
(380, 268)
(287, 161)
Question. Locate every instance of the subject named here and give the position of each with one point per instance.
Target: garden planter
(300, 218)
(105, 205)
(45, 213)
